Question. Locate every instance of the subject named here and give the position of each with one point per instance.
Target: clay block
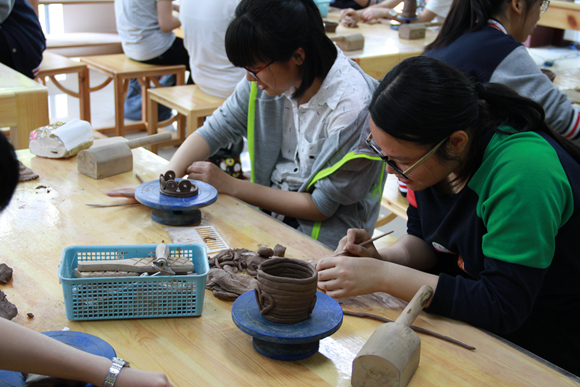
(412, 31)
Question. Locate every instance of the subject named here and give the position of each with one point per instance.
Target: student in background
(21, 39)
(204, 30)
(434, 10)
(145, 28)
(27, 351)
(493, 227)
(482, 39)
(302, 107)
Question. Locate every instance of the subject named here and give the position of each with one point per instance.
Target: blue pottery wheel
(79, 340)
(174, 210)
(287, 341)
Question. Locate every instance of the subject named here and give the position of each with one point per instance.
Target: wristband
(116, 367)
(393, 14)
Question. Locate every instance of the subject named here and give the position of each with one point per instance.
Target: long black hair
(467, 16)
(423, 100)
(8, 171)
(272, 30)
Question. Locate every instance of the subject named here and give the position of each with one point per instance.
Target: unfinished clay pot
(286, 290)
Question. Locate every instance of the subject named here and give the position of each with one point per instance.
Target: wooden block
(412, 31)
(350, 42)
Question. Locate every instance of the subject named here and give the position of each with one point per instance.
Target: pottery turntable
(175, 202)
(285, 314)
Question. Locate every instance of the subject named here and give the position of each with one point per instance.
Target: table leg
(152, 116)
(85, 95)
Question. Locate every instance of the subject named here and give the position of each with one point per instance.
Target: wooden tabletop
(49, 214)
(23, 105)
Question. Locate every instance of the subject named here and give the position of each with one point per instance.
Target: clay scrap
(7, 309)
(5, 273)
(226, 279)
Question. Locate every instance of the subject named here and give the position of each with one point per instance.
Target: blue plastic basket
(105, 298)
(323, 6)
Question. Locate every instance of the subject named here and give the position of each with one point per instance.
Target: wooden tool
(391, 355)
(363, 244)
(415, 30)
(350, 42)
(112, 159)
(136, 265)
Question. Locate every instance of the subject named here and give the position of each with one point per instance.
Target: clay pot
(286, 289)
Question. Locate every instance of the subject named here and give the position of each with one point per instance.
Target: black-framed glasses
(391, 164)
(255, 73)
(544, 6)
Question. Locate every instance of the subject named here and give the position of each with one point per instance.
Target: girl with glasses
(493, 226)
(303, 110)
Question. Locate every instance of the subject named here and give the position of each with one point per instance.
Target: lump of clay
(7, 309)
(265, 252)
(5, 273)
(279, 251)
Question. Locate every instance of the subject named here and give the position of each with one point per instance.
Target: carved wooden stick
(416, 329)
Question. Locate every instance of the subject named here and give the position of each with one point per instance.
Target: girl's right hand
(353, 238)
(126, 192)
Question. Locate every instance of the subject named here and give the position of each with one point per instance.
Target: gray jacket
(347, 178)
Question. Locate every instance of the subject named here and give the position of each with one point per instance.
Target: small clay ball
(279, 251)
(5, 273)
(265, 252)
(30, 315)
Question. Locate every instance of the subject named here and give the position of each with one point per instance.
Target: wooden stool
(120, 69)
(54, 64)
(192, 105)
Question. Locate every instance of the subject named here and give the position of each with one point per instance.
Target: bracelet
(116, 367)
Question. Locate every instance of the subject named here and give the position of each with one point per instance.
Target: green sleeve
(524, 198)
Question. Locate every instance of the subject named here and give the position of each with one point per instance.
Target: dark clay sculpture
(286, 290)
(170, 187)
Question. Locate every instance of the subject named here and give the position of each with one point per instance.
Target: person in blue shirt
(494, 223)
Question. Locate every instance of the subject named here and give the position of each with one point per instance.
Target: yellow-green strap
(330, 170)
(251, 120)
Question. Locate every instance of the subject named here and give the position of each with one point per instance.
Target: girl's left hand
(211, 174)
(348, 277)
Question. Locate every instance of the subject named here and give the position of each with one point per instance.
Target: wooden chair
(393, 201)
(120, 69)
(192, 106)
(54, 64)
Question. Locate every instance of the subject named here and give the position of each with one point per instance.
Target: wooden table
(383, 49)
(49, 214)
(23, 105)
(562, 14)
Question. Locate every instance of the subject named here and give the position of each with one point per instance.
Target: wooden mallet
(391, 355)
(112, 159)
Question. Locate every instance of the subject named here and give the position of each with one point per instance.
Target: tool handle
(415, 306)
(162, 251)
(148, 140)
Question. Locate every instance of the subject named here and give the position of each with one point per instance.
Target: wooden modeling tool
(363, 244)
(391, 355)
(350, 42)
(415, 30)
(115, 158)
